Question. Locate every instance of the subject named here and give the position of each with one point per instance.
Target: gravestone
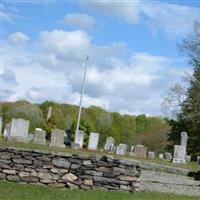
(132, 153)
(168, 156)
(57, 138)
(188, 158)
(179, 154)
(109, 142)
(151, 155)
(79, 139)
(67, 139)
(93, 141)
(40, 136)
(184, 139)
(0, 125)
(19, 130)
(140, 151)
(161, 156)
(6, 131)
(30, 137)
(198, 160)
(121, 149)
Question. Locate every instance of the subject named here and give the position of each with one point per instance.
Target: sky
(132, 48)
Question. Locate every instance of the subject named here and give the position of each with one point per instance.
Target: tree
(188, 119)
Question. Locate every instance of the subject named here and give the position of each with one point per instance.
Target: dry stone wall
(68, 171)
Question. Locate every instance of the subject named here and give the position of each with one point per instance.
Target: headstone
(121, 149)
(188, 158)
(179, 154)
(184, 139)
(57, 138)
(109, 142)
(6, 131)
(132, 153)
(49, 113)
(151, 155)
(79, 139)
(161, 156)
(198, 160)
(19, 130)
(93, 141)
(40, 136)
(67, 139)
(0, 125)
(30, 137)
(168, 156)
(140, 151)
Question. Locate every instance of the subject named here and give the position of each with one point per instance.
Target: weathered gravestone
(19, 130)
(57, 138)
(121, 149)
(188, 158)
(113, 148)
(93, 141)
(6, 131)
(151, 155)
(79, 139)
(140, 151)
(179, 154)
(132, 153)
(198, 160)
(168, 156)
(40, 136)
(161, 156)
(109, 142)
(0, 124)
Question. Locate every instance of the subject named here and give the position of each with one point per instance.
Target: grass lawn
(3, 143)
(16, 191)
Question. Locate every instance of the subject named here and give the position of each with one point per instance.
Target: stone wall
(61, 170)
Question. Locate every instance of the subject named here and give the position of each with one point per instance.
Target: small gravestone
(109, 142)
(151, 155)
(161, 156)
(79, 139)
(19, 130)
(67, 139)
(40, 136)
(132, 153)
(198, 160)
(93, 141)
(140, 151)
(6, 131)
(184, 139)
(121, 149)
(30, 137)
(0, 125)
(168, 156)
(179, 154)
(57, 138)
(188, 158)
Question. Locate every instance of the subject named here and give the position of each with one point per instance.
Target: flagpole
(82, 92)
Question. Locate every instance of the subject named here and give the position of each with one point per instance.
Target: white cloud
(173, 19)
(18, 38)
(54, 71)
(79, 20)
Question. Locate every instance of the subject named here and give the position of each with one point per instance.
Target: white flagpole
(82, 92)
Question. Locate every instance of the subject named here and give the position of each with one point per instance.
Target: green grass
(3, 143)
(16, 191)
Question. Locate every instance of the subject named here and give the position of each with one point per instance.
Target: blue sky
(132, 47)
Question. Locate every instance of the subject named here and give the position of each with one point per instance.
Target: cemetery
(114, 167)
